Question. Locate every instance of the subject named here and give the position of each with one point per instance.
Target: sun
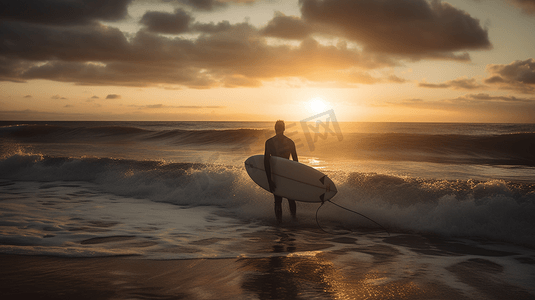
(317, 105)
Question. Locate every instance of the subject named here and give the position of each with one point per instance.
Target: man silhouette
(281, 146)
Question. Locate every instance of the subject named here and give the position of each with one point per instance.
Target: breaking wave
(493, 209)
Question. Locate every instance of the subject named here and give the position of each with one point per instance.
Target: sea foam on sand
(65, 240)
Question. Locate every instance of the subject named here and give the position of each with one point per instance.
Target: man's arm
(294, 152)
(267, 166)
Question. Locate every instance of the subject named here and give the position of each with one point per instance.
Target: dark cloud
(519, 71)
(58, 97)
(495, 79)
(242, 51)
(82, 51)
(235, 57)
(414, 28)
(163, 106)
(468, 100)
(528, 6)
(456, 84)
(357, 77)
(150, 115)
(162, 22)
(487, 97)
(518, 76)
(10, 69)
(479, 107)
(287, 27)
(119, 74)
(205, 5)
(94, 97)
(396, 79)
(240, 81)
(79, 43)
(223, 55)
(27, 96)
(211, 27)
(113, 96)
(434, 85)
(63, 12)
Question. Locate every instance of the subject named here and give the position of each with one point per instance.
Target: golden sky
(388, 60)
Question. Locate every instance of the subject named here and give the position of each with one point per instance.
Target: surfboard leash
(355, 212)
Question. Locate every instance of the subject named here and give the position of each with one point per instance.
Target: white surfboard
(293, 180)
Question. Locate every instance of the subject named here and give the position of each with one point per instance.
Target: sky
(263, 60)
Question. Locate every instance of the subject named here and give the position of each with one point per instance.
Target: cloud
(518, 76)
(214, 59)
(151, 115)
(287, 27)
(467, 100)
(211, 27)
(63, 12)
(221, 54)
(415, 29)
(528, 6)
(360, 77)
(27, 96)
(80, 43)
(240, 81)
(162, 106)
(58, 97)
(486, 97)
(479, 107)
(92, 99)
(10, 69)
(120, 74)
(206, 5)
(456, 84)
(162, 22)
(113, 96)
(396, 79)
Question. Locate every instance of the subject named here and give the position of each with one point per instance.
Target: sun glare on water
(317, 105)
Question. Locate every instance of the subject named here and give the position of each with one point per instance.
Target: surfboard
(293, 180)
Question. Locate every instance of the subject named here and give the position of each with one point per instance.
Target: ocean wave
(56, 134)
(44, 133)
(506, 149)
(200, 137)
(497, 149)
(493, 209)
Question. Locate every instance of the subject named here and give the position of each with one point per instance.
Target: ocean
(446, 192)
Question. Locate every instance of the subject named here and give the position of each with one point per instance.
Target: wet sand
(399, 267)
(138, 249)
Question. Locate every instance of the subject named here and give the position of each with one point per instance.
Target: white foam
(76, 220)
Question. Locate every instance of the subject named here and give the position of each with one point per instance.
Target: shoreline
(342, 274)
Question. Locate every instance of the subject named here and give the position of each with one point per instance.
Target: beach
(399, 267)
(159, 251)
(165, 210)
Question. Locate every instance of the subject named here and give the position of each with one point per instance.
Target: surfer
(281, 146)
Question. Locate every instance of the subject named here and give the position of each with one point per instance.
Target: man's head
(279, 127)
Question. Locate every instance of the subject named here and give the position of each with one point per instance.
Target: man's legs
(278, 208)
(293, 209)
